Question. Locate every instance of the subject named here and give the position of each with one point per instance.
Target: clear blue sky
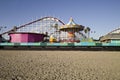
(101, 16)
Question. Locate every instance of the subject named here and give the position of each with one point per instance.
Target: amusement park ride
(50, 32)
(69, 32)
(47, 29)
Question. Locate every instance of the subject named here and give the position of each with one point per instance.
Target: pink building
(26, 37)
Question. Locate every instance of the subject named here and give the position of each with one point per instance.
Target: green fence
(61, 44)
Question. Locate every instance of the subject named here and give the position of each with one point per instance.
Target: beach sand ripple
(59, 65)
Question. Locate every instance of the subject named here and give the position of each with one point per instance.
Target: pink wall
(26, 37)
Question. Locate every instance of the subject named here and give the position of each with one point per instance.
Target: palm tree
(87, 31)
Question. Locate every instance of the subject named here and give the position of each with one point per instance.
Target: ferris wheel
(42, 25)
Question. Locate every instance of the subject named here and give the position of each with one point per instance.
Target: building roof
(115, 31)
(114, 34)
(26, 33)
(110, 36)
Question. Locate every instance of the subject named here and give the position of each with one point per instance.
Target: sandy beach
(59, 65)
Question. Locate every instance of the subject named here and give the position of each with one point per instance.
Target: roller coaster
(42, 25)
(56, 36)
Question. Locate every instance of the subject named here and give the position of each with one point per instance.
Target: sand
(59, 65)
